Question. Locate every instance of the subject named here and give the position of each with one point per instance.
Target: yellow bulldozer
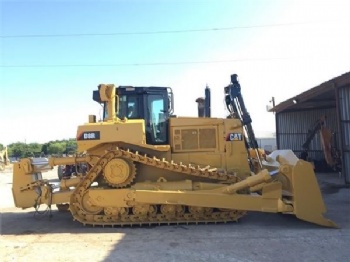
(4, 159)
(147, 166)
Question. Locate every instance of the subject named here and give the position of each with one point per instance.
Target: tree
(17, 149)
(45, 149)
(34, 149)
(56, 148)
(71, 146)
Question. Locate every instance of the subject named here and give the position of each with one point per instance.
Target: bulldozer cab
(153, 104)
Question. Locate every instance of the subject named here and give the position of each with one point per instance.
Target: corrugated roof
(321, 96)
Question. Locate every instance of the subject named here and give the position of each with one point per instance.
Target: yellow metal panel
(198, 158)
(200, 198)
(194, 121)
(189, 139)
(93, 134)
(23, 199)
(207, 138)
(236, 154)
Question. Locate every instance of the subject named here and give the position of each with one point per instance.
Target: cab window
(156, 107)
(128, 107)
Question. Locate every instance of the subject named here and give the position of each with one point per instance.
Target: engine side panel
(209, 141)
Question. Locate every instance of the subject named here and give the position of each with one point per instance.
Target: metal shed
(296, 117)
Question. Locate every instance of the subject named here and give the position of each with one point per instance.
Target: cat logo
(234, 137)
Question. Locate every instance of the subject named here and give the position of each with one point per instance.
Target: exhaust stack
(204, 108)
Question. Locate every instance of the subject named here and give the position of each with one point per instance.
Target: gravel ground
(27, 236)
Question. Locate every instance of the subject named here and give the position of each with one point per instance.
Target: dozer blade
(308, 201)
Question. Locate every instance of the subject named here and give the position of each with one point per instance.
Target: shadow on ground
(26, 223)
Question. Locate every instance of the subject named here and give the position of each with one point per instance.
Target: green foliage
(17, 150)
(58, 147)
(45, 149)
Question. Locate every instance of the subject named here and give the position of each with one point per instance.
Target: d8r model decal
(91, 135)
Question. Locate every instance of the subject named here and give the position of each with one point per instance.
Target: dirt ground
(30, 236)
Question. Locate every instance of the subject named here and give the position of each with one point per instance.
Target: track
(87, 214)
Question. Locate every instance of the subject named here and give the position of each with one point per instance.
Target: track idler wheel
(88, 207)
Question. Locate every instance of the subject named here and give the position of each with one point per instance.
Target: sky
(53, 54)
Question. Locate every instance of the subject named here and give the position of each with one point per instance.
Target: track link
(128, 216)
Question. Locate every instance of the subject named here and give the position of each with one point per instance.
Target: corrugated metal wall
(344, 110)
(267, 143)
(292, 129)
